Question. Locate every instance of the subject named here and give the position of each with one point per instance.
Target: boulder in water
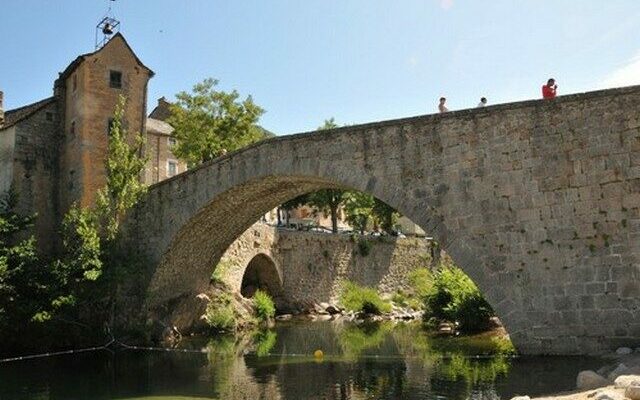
(590, 380)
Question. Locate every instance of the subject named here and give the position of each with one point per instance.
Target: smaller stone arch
(261, 273)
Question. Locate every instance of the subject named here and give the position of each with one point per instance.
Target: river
(371, 361)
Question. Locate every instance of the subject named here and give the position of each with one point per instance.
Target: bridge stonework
(312, 266)
(537, 201)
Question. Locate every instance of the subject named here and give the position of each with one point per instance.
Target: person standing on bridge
(483, 102)
(441, 107)
(549, 90)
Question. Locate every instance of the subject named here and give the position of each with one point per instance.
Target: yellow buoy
(318, 354)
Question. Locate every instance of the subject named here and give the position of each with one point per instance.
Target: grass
(362, 299)
(264, 307)
(421, 281)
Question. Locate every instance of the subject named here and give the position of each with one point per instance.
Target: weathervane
(107, 26)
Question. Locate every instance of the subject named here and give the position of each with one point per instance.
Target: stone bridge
(537, 201)
(299, 269)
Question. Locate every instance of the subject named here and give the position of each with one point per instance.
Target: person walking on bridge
(549, 90)
(441, 107)
(483, 102)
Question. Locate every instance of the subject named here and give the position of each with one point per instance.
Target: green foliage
(220, 315)
(210, 122)
(83, 245)
(327, 201)
(295, 202)
(364, 246)
(355, 339)
(359, 208)
(123, 168)
(399, 298)
(456, 298)
(328, 124)
(421, 281)
(362, 299)
(221, 270)
(264, 341)
(23, 280)
(265, 308)
(457, 367)
(482, 344)
(384, 215)
(79, 288)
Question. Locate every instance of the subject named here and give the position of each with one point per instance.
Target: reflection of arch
(495, 187)
(261, 273)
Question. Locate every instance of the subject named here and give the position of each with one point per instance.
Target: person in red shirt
(549, 90)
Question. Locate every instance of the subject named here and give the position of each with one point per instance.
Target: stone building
(52, 152)
(162, 163)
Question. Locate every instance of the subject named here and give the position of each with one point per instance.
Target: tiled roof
(156, 126)
(14, 116)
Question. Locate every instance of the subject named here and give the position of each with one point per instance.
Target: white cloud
(626, 75)
(446, 4)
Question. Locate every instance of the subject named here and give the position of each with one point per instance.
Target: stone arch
(522, 197)
(222, 220)
(262, 273)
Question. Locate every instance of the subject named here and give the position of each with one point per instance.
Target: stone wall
(89, 104)
(312, 265)
(35, 171)
(537, 201)
(158, 153)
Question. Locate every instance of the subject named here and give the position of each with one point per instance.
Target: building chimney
(1, 108)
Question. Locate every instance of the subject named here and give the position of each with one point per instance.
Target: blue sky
(355, 60)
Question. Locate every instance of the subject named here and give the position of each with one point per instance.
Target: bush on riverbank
(362, 299)
(264, 307)
(455, 298)
(448, 294)
(220, 315)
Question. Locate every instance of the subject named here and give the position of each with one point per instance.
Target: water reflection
(381, 361)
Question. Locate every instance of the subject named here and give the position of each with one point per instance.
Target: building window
(171, 141)
(115, 79)
(109, 126)
(172, 168)
(48, 116)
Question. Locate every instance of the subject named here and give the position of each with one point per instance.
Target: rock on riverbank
(619, 380)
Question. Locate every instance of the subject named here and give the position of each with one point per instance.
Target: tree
(328, 201)
(79, 288)
(359, 208)
(19, 283)
(328, 124)
(123, 167)
(209, 122)
(89, 273)
(384, 215)
(291, 205)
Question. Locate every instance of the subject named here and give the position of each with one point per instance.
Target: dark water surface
(380, 361)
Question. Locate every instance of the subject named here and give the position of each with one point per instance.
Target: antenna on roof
(107, 27)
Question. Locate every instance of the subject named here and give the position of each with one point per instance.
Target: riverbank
(619, 379)
(605, 393)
